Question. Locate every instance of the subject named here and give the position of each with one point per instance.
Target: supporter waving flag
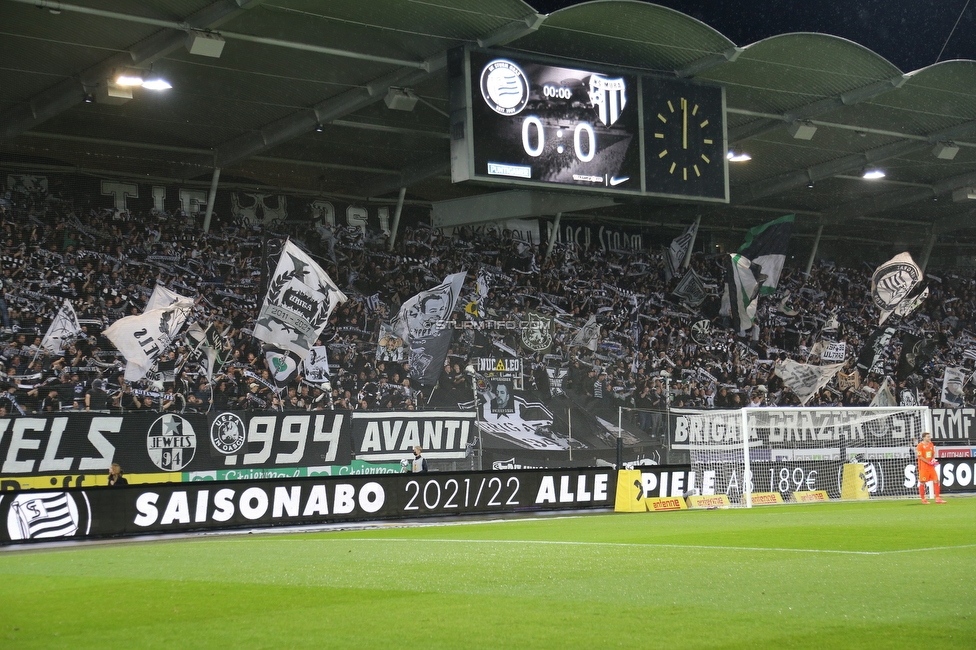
(895, 282)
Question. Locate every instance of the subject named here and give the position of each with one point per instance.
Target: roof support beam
(72, 91)
(416, 173)
(708, 62)
(896, 199)
(816, 108)
(789, 180)
(352, 100)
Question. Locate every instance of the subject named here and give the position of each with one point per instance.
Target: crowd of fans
(107, 262)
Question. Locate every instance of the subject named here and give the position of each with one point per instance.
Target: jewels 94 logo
(171, 443)
(228, 434)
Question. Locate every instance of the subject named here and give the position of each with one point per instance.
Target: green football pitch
(890, 574)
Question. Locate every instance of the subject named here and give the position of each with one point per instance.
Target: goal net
(749, 451)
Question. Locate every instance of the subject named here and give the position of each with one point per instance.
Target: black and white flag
(64, 328)
(803, 379)
(142, 338)
(874, 348)
(916, 352)
(424, 324)
(691, 290)
(587, 336)
(317, 365)
(767, 245)
(675, 254)
(893, 282)
(953, 384)
(301, 297)
(740, 299)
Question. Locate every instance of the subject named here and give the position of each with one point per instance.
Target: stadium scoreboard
(522, 121)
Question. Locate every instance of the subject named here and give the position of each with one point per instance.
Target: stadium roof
(292, 67)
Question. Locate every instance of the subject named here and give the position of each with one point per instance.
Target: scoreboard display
(520, 121)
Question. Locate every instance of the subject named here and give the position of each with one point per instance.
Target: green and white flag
(740, 298)
(766, 245)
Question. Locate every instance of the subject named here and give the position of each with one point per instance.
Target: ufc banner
(169, 443)
(172, 507)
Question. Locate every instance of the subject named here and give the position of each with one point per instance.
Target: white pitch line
(566, 543)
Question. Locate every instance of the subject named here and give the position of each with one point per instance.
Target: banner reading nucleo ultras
(174, 508)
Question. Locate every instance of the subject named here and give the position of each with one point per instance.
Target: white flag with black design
(885, 396)
(892, 283)
(953, 387)
(675, 254)
(162, 297)
(282, 364)
(300, 300)
(803, 379)
(423, 324)
(142, 338)
(316, 365)
(587, 336)
(64, 328)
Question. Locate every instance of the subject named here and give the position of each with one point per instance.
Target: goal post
(770, 450)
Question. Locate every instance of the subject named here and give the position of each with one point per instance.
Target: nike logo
(617, 181)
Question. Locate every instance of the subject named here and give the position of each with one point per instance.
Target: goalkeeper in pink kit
(927, 467)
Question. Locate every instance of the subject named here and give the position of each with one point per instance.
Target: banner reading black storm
(174, 508)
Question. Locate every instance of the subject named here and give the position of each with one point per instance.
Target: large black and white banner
(177, 508)
(168, 443)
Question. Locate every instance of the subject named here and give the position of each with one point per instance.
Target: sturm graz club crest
(701, 331)
(47, 515)
(893, 281)
(171, 443)
(228, 434)
(504, 87)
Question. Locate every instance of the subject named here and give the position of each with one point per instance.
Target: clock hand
(684, 123)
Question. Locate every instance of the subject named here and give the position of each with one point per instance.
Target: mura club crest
(228, 434)
(608, 97)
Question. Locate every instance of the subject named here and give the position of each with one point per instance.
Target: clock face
(684, 139)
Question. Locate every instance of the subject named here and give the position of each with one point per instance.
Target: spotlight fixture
(156, 83)
(945, 150)
(802, 130)
(400, 99)
(738, 156)
(204, 43)
(810, 185)
(873, 174)
(89, 98)
(128, 78)
(319, 128)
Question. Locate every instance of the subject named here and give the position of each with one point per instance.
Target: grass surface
(889, 574)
